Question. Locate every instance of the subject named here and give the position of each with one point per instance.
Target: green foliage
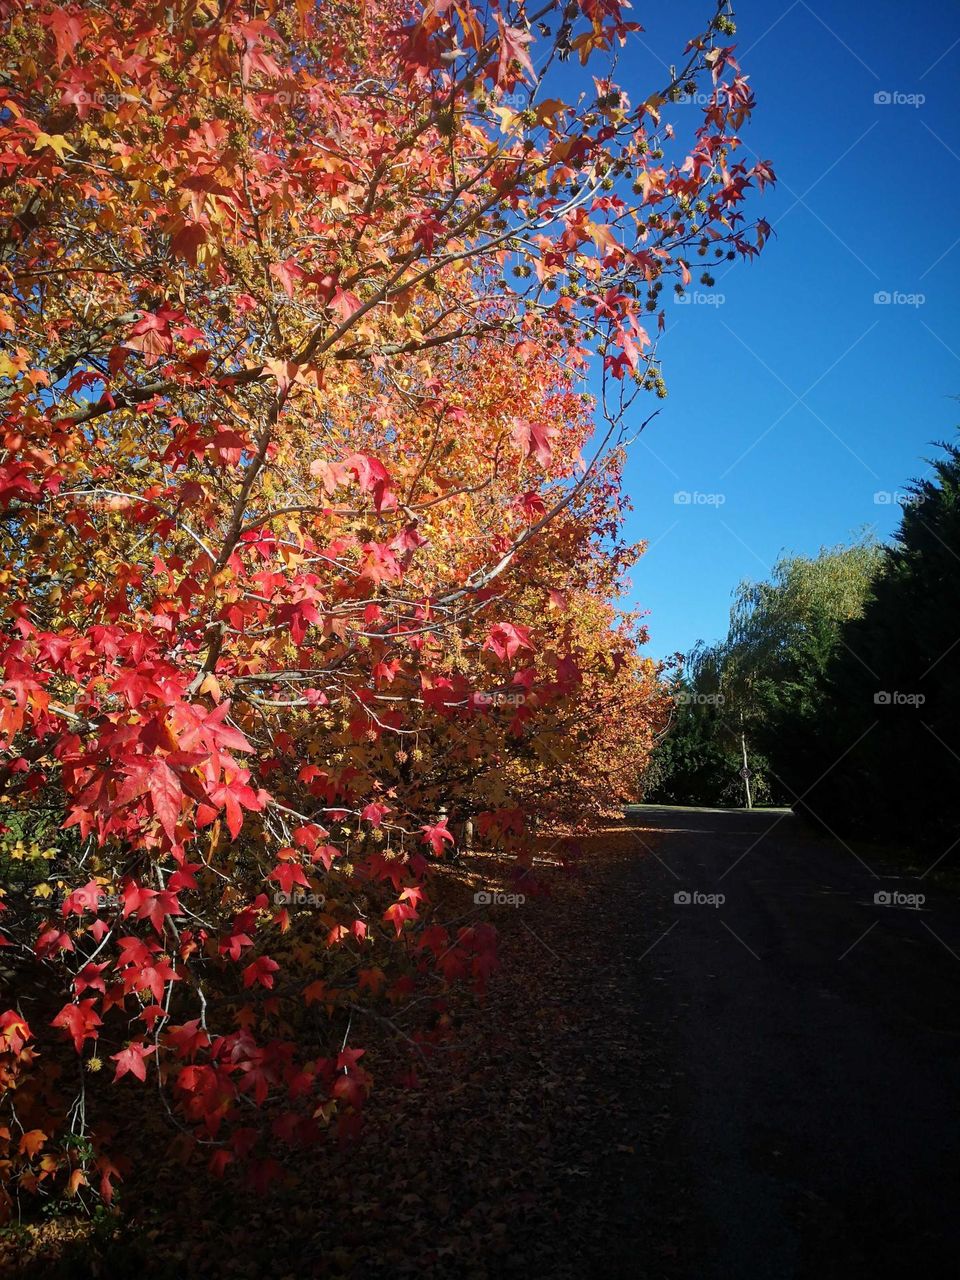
(758, 690)
(700, 759)
(784, 634)
(885, 762)
(841, 672)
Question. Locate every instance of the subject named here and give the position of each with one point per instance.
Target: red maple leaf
(188, 1038)
(534, 438)
(80, 1021)
(132, 1059)
(374, 813)
(14, 1032)
(345, 304)
(286, 272)
(287, 874)
(89, 978)
(260, 970)
(373, 477)
(151, 334)
(513, 48)
(505, 640)
(67, 31)
(436, 836)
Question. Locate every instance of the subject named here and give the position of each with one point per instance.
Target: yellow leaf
(552, 107)
(210, 685)
(507, 118)
(55, 141)
(602, 236)
(653, 105)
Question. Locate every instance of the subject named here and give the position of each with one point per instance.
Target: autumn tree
(310, 531)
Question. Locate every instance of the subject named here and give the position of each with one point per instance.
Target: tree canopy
(310, 534)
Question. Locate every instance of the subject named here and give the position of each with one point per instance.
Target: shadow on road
(814, 1020)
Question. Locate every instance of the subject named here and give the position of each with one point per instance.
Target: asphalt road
(813, 1034)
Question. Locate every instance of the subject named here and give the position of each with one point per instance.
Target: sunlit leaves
(305, 565)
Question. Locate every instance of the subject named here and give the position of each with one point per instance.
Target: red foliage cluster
(309, 530)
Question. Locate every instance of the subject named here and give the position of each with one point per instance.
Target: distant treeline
(838, 683)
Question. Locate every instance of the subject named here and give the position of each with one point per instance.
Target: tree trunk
(745, 771)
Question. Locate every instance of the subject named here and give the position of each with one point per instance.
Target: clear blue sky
(800, 398)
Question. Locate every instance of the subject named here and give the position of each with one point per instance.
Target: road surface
(812, 1033)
